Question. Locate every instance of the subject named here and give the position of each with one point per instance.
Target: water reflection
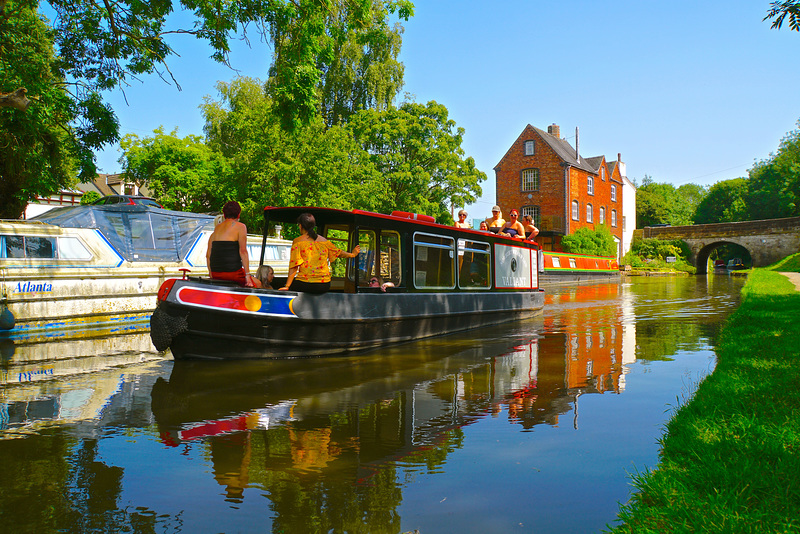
(440, 435)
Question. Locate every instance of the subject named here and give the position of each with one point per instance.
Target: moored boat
(83, 266)
(441, 280)
(562, 267)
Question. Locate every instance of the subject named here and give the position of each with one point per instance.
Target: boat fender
(164, 327)
(416, 216)
(7, 320)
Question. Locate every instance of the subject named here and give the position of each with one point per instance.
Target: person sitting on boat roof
(462, 220)
(484, 227)
(513, 228)
(497, 221)
(226, 255)
(309, 270)
(265, 274)
(530, 230)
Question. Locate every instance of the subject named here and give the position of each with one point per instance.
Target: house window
(602, 215)
(588, 213)
(590, 185)
(614, 218)
(529, 149)
(530, 180)
(613, 193)
(534, 212)
(603, 173)
(624, 223)
(575, 210)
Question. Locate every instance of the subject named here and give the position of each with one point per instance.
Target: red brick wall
(551, 195)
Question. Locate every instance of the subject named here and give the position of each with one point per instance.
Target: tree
(725, 202)
(312, 165)
(783, 9)
(658, 203)
(106, 45)
(417, 150)
(774, 184)
(183, 174)
(362, 71)
(48, 137)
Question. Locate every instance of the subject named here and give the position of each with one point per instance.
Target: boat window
(572, 263)
(71, 248)
(473, 264)
(163, 233)
(366, 257)
(434, 261)
(390, 257)
(339, 236)
(271, 252)
(556, 262)
(14, 246)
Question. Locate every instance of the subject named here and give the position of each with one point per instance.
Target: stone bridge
(767, 241)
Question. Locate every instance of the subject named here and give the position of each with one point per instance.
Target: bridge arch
(700, 261)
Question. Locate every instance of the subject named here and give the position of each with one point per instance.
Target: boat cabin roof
(137, 232)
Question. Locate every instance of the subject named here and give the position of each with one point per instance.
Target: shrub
(597, 242)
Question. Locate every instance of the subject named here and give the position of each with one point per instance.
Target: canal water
(533, 426)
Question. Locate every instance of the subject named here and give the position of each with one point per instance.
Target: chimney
(554, 130)
(619, 156)
(577, 154)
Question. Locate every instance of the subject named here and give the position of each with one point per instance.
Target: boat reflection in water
(341, 431)
(70, 377)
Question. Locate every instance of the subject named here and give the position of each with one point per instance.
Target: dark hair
(231, 209)
(307, 222)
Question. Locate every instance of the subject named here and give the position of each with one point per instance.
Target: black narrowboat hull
(280, 324)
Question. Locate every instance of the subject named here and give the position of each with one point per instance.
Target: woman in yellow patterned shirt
(309, 270)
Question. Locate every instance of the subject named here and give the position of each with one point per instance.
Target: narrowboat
(85, 266)
(441, 280)
(561, 267)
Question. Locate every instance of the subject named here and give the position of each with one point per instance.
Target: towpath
(794, 278)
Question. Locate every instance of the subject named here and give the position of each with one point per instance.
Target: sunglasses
(514, 215)
(462, 214)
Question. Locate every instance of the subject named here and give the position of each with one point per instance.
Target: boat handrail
(26, 221)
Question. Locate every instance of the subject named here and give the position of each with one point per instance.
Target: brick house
(542, 175)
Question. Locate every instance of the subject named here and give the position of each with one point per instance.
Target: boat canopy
(138, 233)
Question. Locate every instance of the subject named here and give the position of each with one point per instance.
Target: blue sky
(686, 91)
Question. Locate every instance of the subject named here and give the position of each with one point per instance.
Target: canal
(533, 426)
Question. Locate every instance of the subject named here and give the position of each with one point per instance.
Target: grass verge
(730, 457)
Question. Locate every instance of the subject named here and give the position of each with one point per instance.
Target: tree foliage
(658, 203)
(596, 242)
(312, 165)
(417, 150)
(44, 145)
(774, 184)
(109, 44)
(782, 10)
(725, 202)
(183, 174)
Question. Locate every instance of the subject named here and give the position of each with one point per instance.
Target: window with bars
(575, 213)
(613, 193)
(614, 218)
(602, 215)
(589, 213)
(534, 212)
(530, 180)
(590, 185)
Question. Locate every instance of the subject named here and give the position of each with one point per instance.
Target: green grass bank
(730, 457)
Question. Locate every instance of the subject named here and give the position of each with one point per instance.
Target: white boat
(83, 266)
